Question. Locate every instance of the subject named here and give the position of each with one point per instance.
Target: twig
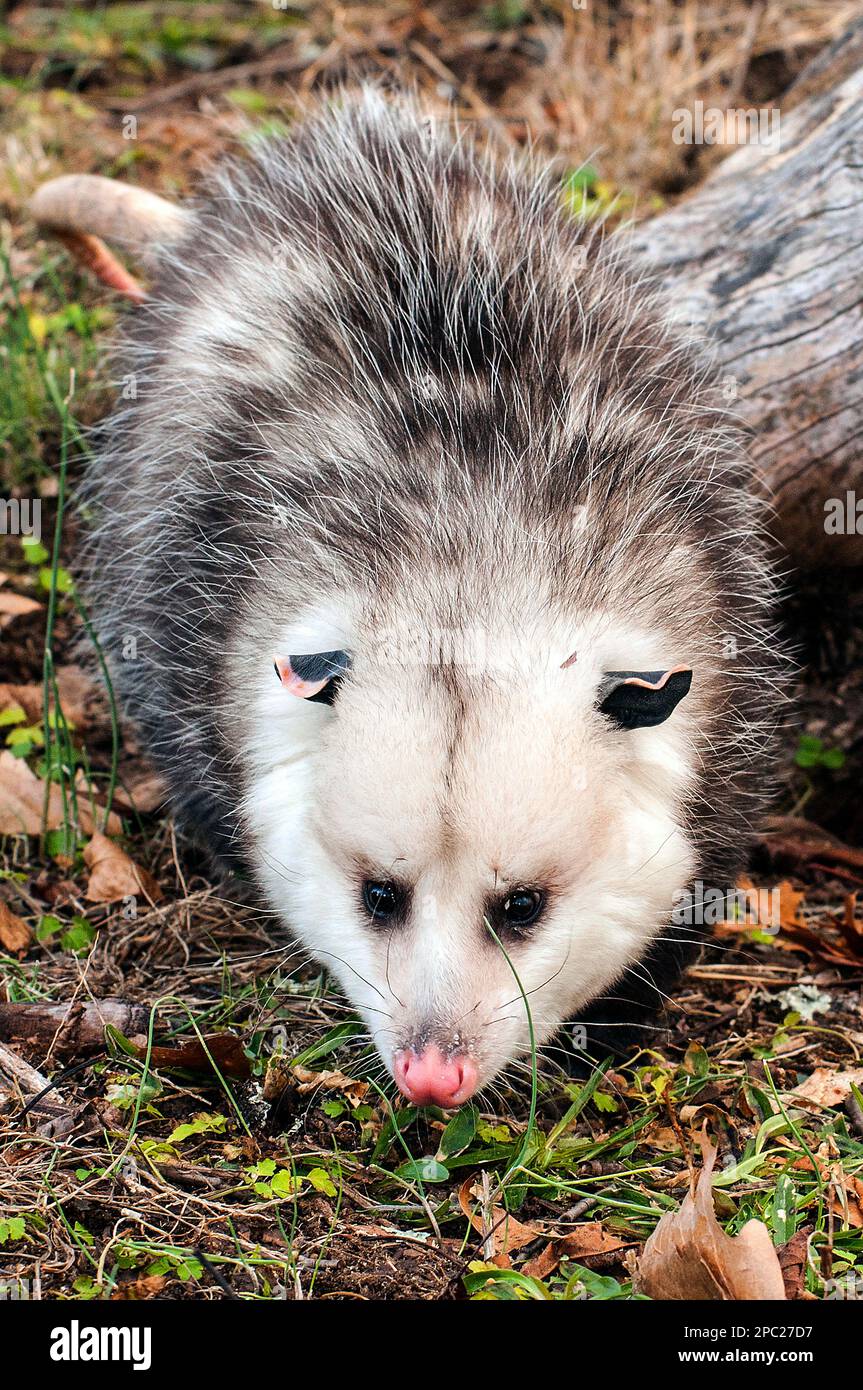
(27, 1081)
(747, 44)
(271, 66)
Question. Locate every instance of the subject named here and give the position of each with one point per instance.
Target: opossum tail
(81, 209)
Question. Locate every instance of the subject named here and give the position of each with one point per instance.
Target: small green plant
(184, 1267)
(812, 754)
(13, 1228)
(505, 14)
(126, 1092)
(78, 935)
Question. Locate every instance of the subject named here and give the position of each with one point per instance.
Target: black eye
(382, 899)
(521, 908)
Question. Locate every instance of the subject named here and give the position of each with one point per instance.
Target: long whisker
(536, 988)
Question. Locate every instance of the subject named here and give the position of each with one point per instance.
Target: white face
(398, 826)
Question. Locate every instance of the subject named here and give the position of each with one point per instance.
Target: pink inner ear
(657, 685)
(304, 690)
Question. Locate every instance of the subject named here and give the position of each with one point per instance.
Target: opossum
(425, 559)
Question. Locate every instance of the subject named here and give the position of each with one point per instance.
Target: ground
(224, 1137)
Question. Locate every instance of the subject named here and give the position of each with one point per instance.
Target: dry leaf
(281, 1074)
(144, 1287)
(689, 1256)
(224, 1049)
(583, 1243)
(507, 1234)
(793, 1256)
(806, 936)
(543, 1264)
(113, 875)
(141, 790)
(80, 698)
(78, 694)
(827, 1087)
(355, 1091)
(800, 841)
(15, 935)
(590, 1239)
(664, 1138)
(14, 606)
(760, 909)
(790, 902)
(24, 695)
(22, 796)
(846, 1197)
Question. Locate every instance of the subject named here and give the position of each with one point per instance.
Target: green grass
(36, 359)
(141, 41)
(42, 353)
(407, 1168)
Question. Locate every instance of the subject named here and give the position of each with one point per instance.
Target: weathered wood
(767, 258)
(19, 1080)
(68, 1029)
(830, 66)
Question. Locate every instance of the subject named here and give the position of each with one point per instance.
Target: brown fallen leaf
(78, 696)
(354, 1091)
(583, 1243)
(828, 1087)
(144, 1287)
(14, 606)
(689, 1256)
(113, 875)
(225, 1050)
(793, 1256)
(140, 789)
(21, 696)
(507, 1234)
(665, 1139)
(760, 909)
(846, 1197)
(814, 936)
(82, 700)
(22, 796)
(15, 935)
(543, 1264)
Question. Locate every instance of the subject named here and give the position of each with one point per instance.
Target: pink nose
(430, 1078)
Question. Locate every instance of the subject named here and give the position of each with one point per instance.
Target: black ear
(639, 699)
(313, 675)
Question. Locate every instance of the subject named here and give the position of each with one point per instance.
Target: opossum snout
(430, 1078)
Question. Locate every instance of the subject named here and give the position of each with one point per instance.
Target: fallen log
(70, 1029)
(766, 259)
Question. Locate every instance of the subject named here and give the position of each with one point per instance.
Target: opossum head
(476, 848)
